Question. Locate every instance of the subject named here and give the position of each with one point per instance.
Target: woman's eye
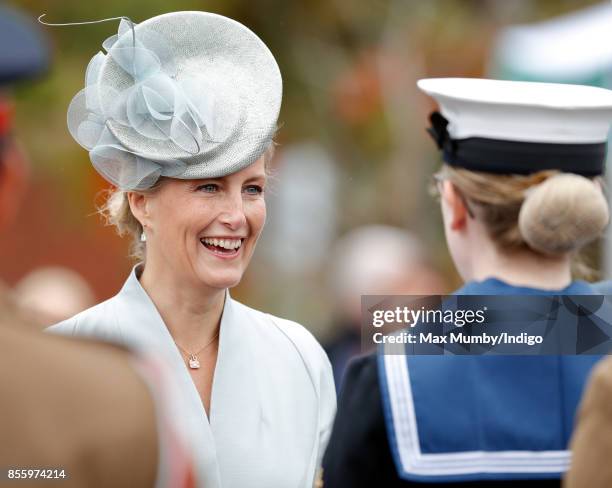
(253, 190)
(208, 188)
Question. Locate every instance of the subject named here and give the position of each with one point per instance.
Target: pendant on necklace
(193, 362)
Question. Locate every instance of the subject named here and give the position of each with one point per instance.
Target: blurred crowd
(369, 163)
(365, 223)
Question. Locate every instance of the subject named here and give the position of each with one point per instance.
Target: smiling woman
(116, 210)
(179, 116)
(206, 230)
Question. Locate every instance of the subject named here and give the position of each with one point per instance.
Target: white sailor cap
(520, 127)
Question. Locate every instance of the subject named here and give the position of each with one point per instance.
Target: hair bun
(563, 213)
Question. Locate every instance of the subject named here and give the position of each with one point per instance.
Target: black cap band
(515, 157)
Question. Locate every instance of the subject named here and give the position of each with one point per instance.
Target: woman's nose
(232, 214)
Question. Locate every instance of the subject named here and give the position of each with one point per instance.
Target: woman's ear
(456, 205)
(139, 206)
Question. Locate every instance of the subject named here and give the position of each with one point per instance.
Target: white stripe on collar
(405, 441)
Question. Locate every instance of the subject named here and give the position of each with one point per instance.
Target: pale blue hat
(182, 95)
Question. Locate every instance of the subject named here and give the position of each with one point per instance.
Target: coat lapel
(236, 414)
(140, 324)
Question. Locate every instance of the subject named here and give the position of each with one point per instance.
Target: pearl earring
(143, 237)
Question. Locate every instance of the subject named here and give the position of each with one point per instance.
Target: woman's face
(206, 230)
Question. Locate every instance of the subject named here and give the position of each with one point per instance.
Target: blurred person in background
(52, 294)
(83, 411)
(519, 198)
(592, 440)
(180, 116)
(373, 260)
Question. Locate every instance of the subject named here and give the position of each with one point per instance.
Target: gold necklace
(192, 358)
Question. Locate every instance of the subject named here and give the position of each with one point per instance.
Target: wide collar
(495, 286)
(532, 397)
(234, 383)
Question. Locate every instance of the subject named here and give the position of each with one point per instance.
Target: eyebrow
(201, 181)
(256, 178)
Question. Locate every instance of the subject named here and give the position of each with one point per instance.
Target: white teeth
(224, 243)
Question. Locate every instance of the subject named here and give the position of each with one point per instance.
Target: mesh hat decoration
(182, 95)
(520, 127)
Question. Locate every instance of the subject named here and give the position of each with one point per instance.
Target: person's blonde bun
(562, 214)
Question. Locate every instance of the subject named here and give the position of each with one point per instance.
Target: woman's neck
(523, 268)
(191, 314)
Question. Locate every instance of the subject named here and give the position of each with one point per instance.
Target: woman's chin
(219, 280)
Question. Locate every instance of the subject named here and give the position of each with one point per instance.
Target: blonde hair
(116, 212)
(548, 212)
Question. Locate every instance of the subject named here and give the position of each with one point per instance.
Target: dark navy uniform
(460, 420)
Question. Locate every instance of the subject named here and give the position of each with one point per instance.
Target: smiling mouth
(223, 247)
